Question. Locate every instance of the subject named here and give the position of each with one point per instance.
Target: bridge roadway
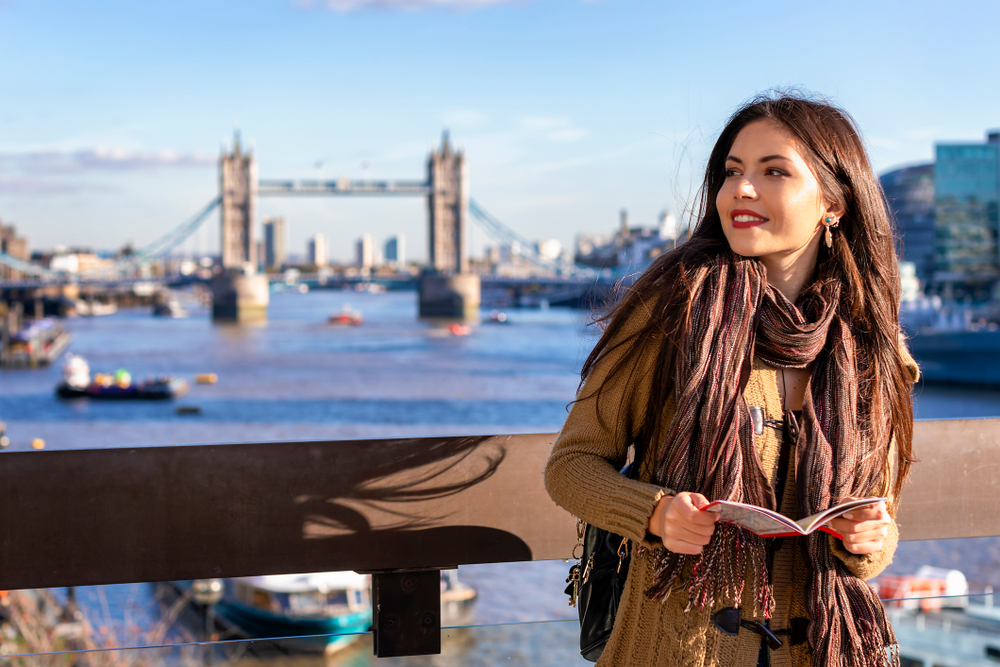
(342, 187)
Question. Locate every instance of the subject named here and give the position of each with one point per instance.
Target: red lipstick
(750, 219)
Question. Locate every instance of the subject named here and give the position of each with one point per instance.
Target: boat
(936, 621)
(346, 317)
(457, 599)
(371, 288)
(169, 308)
(38, 343)
(94, 308)
(950, 343)
(77, 383)
(317, 612)
(457, 329)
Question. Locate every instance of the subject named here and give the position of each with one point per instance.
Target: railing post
(406, 613)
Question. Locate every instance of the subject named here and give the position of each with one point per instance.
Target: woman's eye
(731, 172)
(775, 172)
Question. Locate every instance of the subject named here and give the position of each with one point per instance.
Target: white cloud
(553, 129)
(465, 118)
(98, 159)
(15, 185)
(345, 6)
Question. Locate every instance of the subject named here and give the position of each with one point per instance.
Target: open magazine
(768, 523)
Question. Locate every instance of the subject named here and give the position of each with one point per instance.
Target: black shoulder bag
(597, 580)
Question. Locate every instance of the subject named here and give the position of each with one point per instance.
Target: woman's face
(771, 204)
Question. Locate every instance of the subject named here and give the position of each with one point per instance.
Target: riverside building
(966, 193)
(910, 193)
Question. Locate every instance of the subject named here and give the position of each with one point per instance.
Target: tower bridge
(446, 288)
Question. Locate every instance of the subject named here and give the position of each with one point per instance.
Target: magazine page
(758, 520)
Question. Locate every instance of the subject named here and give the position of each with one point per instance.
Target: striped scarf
(709, 449)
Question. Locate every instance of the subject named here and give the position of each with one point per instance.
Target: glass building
(967, 192)
(910, 194)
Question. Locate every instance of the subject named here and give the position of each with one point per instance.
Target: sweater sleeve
(582, 474)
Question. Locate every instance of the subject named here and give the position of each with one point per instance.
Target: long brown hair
(863, 257)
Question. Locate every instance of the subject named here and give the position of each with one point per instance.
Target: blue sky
(112, 113)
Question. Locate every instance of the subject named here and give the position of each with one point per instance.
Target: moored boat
(38, 343)
(937, 622)
(318, 612)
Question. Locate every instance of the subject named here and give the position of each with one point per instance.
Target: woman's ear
(836, 209)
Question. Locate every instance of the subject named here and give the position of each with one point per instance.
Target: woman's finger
(683, 534)
(864, 548)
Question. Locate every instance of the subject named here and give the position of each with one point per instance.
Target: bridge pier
(450, 295)
(239, 296)
(239, 293)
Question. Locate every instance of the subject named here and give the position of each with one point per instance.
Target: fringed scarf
(709, 449)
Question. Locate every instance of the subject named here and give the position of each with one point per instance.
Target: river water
(297, 378)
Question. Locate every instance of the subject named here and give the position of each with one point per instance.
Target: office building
(910, 193)
(275, 243)
(364, 252)
(967, 193)
(395, 251)
(317, 251)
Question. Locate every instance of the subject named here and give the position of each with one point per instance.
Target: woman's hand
(683, 527)
(863, 529)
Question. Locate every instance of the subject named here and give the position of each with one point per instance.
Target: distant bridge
(448, 207)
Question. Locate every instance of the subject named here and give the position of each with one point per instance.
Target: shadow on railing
(400, 509)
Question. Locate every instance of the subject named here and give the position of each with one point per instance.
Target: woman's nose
(745, 189)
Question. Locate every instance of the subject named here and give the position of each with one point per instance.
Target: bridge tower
(238, 189)
(239, 293)
(447, 289)
(448, 209)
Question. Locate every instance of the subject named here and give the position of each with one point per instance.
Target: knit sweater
(582, 477)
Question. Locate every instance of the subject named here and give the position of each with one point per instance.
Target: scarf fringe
(718, 574)
(859, 635)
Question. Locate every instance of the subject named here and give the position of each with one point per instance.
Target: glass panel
(940, 619)
(528, 644)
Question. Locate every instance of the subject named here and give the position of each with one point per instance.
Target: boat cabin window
(910, 662)
(993, 653)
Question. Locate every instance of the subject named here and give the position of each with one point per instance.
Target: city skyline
(567, 111)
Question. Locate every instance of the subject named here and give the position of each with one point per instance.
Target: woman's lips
(743, 219)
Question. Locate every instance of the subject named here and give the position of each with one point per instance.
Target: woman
(759, 362)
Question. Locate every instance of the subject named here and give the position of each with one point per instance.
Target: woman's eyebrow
(733, 158)
(768, 158)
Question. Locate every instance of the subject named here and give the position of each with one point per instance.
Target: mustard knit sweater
(582, 477)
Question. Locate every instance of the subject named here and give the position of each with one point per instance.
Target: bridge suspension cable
(28, 268)
(158, 248)
(521, 246)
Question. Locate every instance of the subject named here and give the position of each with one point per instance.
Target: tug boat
(77, 383)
